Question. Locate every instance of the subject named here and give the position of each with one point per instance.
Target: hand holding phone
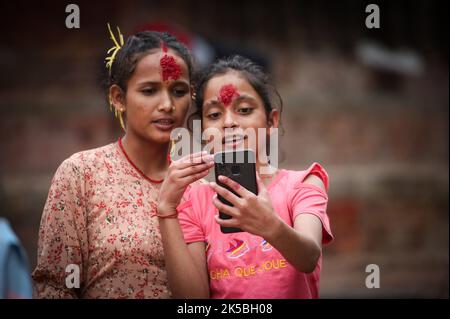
(239, 166)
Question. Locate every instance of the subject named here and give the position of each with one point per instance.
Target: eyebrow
(177, 82)
(211, 103)
(244, 97)
(241, 97)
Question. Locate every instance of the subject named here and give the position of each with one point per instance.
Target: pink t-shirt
(242, 265)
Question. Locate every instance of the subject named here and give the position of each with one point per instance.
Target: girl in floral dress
(99, 236)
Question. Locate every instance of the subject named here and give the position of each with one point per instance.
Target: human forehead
(150, 64)
(242, 86)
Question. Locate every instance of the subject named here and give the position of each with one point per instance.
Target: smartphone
(239, 165)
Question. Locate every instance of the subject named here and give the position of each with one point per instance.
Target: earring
(121, 119)
(117, 113)
(193, 94)
(110, 103)
(172, 145)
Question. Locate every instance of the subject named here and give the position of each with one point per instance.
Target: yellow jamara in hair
(115, 48)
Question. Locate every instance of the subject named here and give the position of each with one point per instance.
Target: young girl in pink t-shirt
(278, 253)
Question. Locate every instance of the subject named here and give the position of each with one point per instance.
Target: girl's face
(232, 105)
(155, 105)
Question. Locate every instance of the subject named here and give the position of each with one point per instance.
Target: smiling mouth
(164, 124)
(234, 139)
(164, 121)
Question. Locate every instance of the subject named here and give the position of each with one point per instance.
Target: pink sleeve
(189, 221)
(311, 199)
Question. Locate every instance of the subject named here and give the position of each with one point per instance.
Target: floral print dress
(98, 222)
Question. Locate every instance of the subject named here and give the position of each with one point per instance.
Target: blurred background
(371, 105)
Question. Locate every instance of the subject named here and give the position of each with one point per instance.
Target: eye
(149, 91)
(245, 110)
(213, 115)
(180, 91)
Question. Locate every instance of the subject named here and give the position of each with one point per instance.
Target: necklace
(135, 167)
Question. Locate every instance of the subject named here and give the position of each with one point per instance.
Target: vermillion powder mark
(227, 94)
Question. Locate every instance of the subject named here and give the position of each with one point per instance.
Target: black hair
(135, 48)
(250, 71)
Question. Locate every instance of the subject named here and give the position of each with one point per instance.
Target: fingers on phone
(229, 182)
(191, 157)
(190, 178)
(197, 158)
(195, 169)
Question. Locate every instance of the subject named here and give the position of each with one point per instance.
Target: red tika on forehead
(170, 69)
(227, 94)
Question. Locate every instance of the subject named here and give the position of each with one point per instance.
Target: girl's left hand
(251, 213)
